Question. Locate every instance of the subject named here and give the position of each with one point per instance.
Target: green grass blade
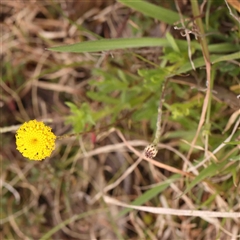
(148, 195)
(199, 62)
(124, 43)
(228, 57)
(111, 44)
(152, 10)
(173, 43)
(209, 171)
(223, 48)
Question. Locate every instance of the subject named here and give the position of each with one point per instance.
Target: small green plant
(80, 118)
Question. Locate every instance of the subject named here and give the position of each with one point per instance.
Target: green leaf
(172, 42)
(199, 62)
(232, 143)
(223, 47)
(80, 117)
(235, 176)
(124, 43)
(209, 171)
(228, 57)
(236, 158)
(147, 111)
(112, 44)
(152, 10)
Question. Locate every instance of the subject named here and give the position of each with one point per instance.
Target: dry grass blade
(175, 212)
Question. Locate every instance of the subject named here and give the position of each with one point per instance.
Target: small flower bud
(150, 151)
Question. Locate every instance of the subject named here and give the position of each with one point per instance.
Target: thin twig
(11, 189)
(152, 161)
(202, 6)
(231, 13)
(187, 35)
(175, 212)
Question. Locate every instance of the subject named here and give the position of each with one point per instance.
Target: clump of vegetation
(142, 99)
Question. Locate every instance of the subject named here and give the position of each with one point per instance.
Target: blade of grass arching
(199, 62)
(209, 171)
(152, 10)
(236, 158)
(228, 57)
(223, 48)
(208, 202)
(148, 195)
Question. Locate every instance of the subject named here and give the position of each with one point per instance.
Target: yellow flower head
(35, 140)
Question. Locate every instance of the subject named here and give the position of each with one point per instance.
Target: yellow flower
(35, 140)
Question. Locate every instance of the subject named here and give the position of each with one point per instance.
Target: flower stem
(159, 119)
(202, 39)
(68, 136)
(151, 150)
(206, 110)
